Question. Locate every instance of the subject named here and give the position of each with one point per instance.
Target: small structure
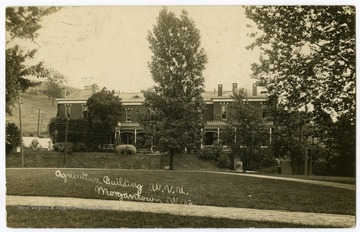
(238, 165)
(155, 160)
(44, 143)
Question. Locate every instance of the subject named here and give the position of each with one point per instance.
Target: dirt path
(317, 182)
(61, 203)
(307, 181)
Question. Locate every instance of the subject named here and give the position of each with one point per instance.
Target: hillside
(33, 101)
(41, 86)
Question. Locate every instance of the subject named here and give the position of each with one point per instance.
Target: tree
(24, 22)
(308, 59)
(289, 133)
(308, 55)
(21, 23)
(13, 137)
(16, 71)
(176, 67)
(246, 128)
(342, 142)
(104, 112)
(52, 84)
(77, 130)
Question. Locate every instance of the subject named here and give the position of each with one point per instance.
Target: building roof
(83, 94)
(131, 97)
(137, 97)
(209, 95)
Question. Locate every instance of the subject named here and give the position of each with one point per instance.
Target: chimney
(254, 90)
(234, 87)
(220, 90)
(63, 92)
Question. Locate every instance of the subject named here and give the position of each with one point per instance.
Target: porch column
(218, 132)
(270, 133)
(135, 136)
(118, 139)
(68, 110)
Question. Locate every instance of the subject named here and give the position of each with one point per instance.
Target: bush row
(81, 147)
(217, 153)
(78, 147)
(254, 159)
(125, 149)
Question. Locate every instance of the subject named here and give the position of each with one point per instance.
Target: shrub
(321, 167)
(334, 164)
(260, 158)
(13, 137)
(217, 153)
(125, 149)
(206, 153)
(267, 159)
(223, 160)
(60, 147)
(217, 150)
(80, 147)
(35, 145)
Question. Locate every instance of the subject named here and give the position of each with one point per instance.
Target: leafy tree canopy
(308, 55)
(24, 22)
(245, 132)
(53, 81)
(245, 116)
(176, 67)
(104, 108)
(13, 137)
(21, 23)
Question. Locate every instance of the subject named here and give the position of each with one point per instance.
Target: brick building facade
(129, 131)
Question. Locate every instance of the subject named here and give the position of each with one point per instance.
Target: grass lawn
(18, 218)
(184, 187)
(105, 160)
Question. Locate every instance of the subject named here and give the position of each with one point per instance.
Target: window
(84, 109)
(223, 112)
(68, 110)
(128, 114)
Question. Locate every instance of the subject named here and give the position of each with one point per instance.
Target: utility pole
(66, 138)
(38, 127)
(21, 144)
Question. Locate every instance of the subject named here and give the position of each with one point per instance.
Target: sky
(107, 45)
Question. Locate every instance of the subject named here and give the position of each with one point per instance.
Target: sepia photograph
(178, 116)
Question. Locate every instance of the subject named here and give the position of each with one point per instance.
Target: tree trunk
(245, 161)
(171, 163)
(293, 167)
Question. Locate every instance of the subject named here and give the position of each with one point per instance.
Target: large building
(129, 130)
